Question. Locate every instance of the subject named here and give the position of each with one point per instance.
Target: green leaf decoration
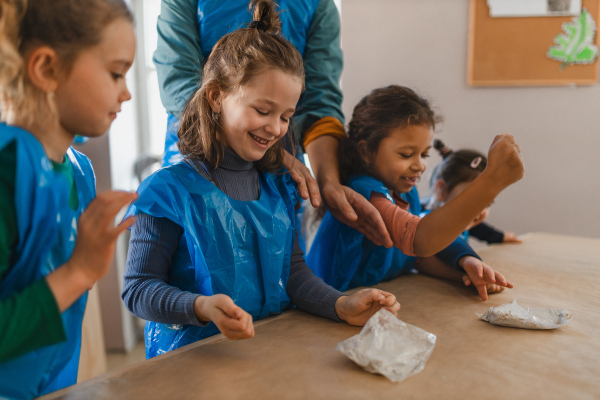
(576, 45)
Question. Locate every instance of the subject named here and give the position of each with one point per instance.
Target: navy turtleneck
(154, 241)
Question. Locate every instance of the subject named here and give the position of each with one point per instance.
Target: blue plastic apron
(47, 228)
(216, 18)
(344, 258)
(238, 248)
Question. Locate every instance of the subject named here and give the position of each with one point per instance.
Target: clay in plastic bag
(513, 315)
(389, 347)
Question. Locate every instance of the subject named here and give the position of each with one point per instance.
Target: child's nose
(420, 164)
(125, 95)
(273, 127)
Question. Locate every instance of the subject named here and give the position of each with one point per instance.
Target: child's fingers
(388, 299)
(393, 309)
(502, 281)
(466, 280)
(489, 275)
(237, 329)
(230, 309)
(482, 290)
(123, 226)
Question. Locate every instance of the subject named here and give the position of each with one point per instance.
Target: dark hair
(457, 166)
(374, 117)
(235, 60)
(66, 26)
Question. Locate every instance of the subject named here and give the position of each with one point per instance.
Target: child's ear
(213, 95)
(363, 152)
(42, 69)
(441, 191)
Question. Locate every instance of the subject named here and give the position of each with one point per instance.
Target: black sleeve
(308, 292)
(455, 251)
(487, 233)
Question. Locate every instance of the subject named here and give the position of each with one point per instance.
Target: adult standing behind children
(62, 73)
(215, 246)
(187, 32)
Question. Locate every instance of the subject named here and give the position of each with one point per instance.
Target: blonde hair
(66, 26)
(235, 60)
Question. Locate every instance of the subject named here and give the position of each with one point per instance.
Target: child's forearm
(67, 284)
(439, 228)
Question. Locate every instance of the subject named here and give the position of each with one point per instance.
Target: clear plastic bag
(513, 315)
(389, 347)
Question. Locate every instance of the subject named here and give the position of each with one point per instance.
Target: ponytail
(457, 167)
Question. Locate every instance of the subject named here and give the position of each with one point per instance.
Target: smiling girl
(383, 157)
(214, 246)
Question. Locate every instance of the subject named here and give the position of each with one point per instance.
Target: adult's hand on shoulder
(355, 211)
(307, 185)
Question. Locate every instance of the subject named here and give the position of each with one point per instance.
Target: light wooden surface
(292, 356)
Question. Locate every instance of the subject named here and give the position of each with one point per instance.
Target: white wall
(423, 44)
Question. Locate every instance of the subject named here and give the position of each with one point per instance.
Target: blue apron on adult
(238, 248)
(216, 18)
(47, 228)
(344, 258)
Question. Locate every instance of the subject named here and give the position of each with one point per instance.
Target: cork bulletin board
(512, 51)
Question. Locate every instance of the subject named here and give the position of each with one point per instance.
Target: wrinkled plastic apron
(238, 248)
(46, 240)
(345, 259)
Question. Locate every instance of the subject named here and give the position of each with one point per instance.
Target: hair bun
(441, 148)
(259, 26)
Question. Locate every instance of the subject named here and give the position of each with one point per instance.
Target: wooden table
(292, 356)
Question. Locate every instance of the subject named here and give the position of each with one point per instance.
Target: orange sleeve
(401, 224)
(325, 126)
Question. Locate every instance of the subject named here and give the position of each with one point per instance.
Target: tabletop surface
(292, 356)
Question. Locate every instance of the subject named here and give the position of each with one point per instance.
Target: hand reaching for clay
(483, 277)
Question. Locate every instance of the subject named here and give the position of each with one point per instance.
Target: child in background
(214, 246)
(449, 178)
(383, 157)
(62, 67)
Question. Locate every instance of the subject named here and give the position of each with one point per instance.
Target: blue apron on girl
(47, 228)
(238, 248)
(216, 18)
(345, 259)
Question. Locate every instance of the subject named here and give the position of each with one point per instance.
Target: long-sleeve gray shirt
(146, 291)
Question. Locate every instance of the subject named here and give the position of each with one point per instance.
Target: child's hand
(480, 275)
(97, 235)
(232, 320)
(510, 237)
(357, 308)
(505, 163)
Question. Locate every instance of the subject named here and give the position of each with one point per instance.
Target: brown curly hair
(374, 117)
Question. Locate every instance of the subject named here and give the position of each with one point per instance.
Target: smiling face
(402, 157)
(256, 115)
(89, 97)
